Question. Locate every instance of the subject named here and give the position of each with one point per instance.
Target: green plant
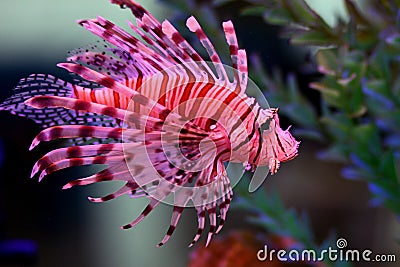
(360, 88)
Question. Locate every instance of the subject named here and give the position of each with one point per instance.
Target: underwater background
(42, 225)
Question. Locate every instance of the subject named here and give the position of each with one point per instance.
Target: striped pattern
(170, 118)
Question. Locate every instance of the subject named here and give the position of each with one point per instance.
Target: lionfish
(164, 119)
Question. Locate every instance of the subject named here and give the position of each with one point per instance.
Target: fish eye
(266, 126)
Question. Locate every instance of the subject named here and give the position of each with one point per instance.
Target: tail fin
(40, 84)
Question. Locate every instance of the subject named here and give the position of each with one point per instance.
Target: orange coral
(238, 249)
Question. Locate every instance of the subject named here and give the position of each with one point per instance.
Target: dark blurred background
(44, 226)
